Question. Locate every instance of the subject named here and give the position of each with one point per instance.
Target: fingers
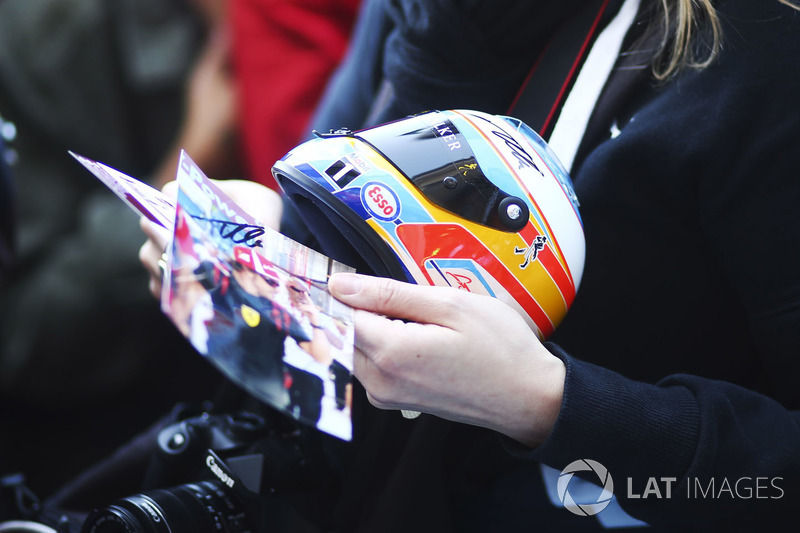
(430, 305)
(151, 253)
(171, 189)
(390, 354)
(386, 347)
(155, 232)
(148, 256)
(371, 349)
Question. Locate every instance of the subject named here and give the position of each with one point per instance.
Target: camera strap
(559, 94)
(558, 99)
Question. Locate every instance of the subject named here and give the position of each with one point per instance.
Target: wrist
(539, 392)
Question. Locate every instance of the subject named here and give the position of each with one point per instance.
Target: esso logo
(381, 201)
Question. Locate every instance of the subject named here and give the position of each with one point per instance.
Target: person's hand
(453, 354)
(152, 253)
(260, 202)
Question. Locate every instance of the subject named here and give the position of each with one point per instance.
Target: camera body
(218, 473)
(199, 448)
(237, 471)
(218, 455)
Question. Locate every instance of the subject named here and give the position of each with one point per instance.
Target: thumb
(393, 298)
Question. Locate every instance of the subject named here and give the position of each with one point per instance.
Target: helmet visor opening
(341, 234)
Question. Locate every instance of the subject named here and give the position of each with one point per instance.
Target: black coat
(682, 345)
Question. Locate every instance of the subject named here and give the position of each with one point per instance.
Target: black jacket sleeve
(686, 451)
(682, 346)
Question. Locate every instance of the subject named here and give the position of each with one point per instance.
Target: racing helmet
(457, 198)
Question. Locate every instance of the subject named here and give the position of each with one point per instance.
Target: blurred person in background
(83, 353)
(283, 54)
(86, 358)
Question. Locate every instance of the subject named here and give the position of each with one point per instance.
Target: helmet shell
(455, 198)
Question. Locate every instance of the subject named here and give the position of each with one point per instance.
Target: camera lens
(192, 508)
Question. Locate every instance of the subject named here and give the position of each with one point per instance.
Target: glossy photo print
(255, 304)
(252, 301)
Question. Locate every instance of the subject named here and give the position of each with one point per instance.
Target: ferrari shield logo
(251, 317)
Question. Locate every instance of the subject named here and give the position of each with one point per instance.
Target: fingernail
(345, 284)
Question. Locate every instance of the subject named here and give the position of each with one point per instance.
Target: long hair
(691, 35)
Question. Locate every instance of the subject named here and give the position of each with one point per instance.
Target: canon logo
(219, 472)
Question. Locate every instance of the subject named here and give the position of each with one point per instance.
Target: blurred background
(87, 360)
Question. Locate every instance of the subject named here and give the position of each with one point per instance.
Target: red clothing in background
(283, 54)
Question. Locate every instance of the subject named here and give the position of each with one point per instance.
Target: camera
(207, 475)
(205, 506)
(226, 487)
(202, 470)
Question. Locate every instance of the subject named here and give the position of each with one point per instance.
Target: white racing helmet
(459, 198)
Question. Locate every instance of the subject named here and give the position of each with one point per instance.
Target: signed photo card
(253, 302)
(142, 198)
(256, 305)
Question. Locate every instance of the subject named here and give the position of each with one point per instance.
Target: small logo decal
(531, 252)
(250, 316)
(460, 281)
(602, 500)
(342, 172)
(380, 201)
